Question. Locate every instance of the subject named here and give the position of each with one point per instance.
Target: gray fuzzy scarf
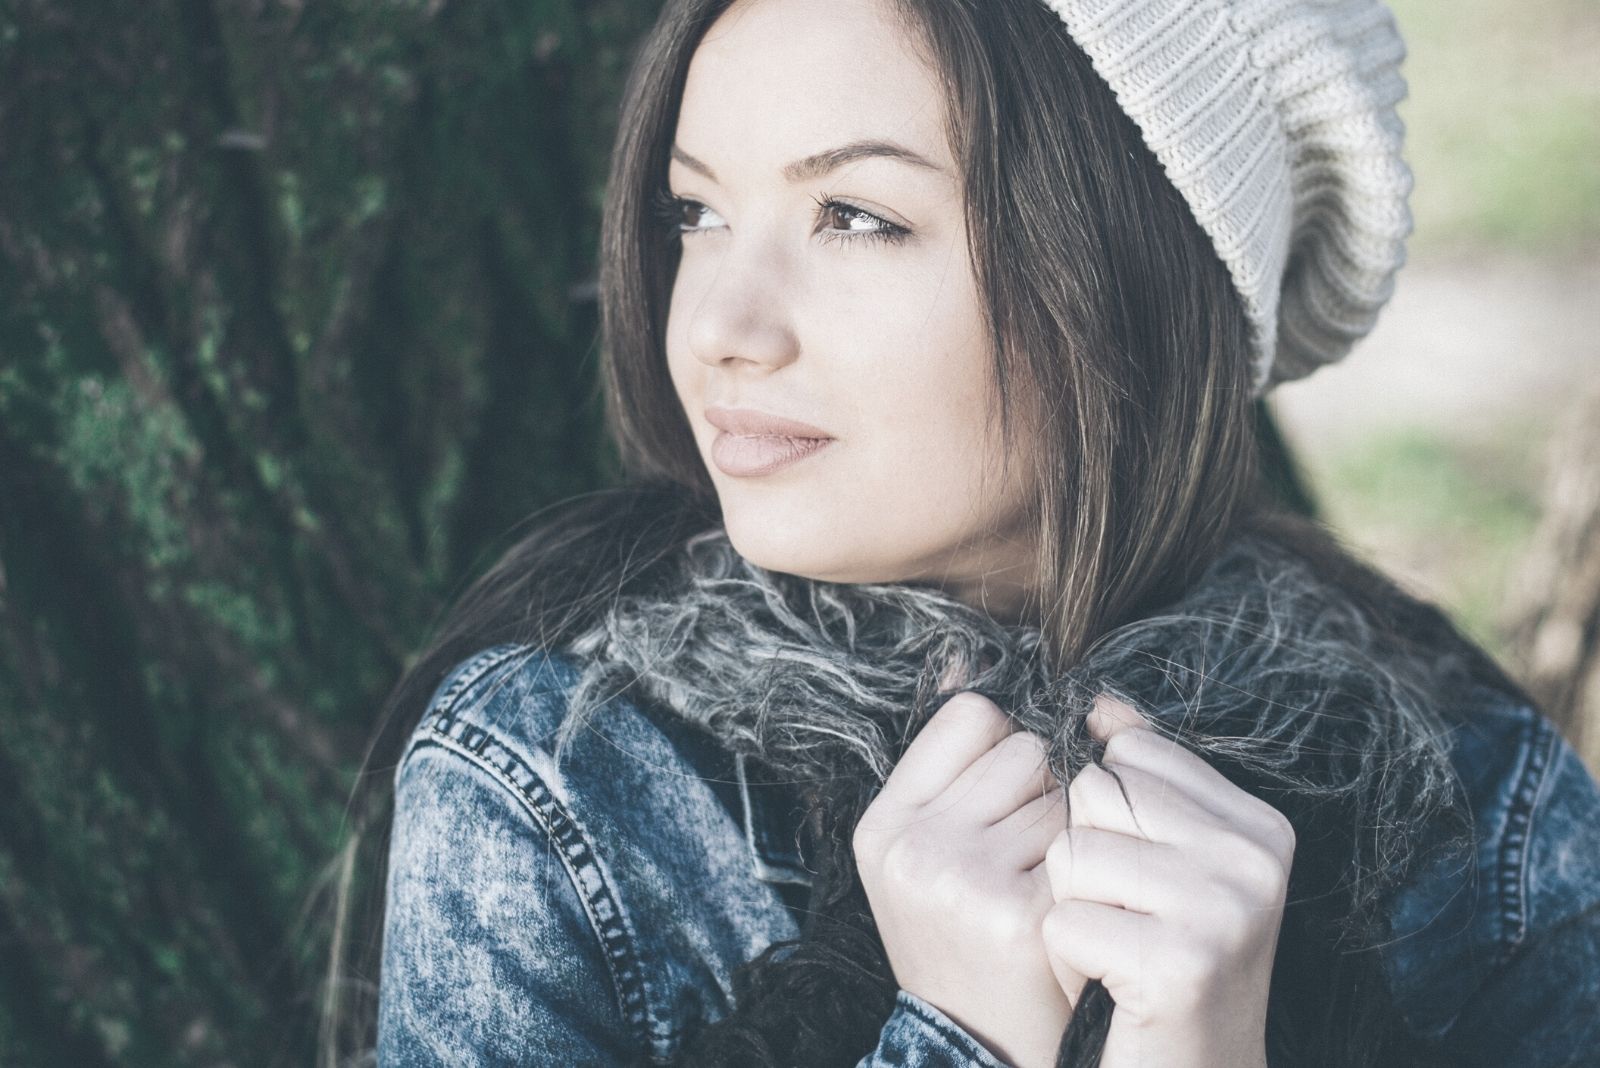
(1269, 673)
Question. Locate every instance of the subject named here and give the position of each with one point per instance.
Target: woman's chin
(814, 551)
(776, 546)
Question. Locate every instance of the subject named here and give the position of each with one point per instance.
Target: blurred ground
(1426, 446)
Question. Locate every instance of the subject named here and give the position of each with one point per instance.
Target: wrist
(1006, 1044)
(1181, 1047)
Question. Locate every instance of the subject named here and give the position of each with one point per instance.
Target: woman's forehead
(783, 81)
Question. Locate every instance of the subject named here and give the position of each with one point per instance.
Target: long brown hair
(1108, 308)
(1122, 364)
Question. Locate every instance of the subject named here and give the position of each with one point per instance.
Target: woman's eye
(875, 227)
(671, 211)
(845, 222)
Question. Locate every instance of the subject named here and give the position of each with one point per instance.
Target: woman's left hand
(1174, 906)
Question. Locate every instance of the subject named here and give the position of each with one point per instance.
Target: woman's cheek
(916, 488)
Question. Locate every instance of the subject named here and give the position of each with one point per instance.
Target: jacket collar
(772, 821)
(767, 808)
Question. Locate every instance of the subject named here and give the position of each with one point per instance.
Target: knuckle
(1085, 785)
(1283, 835)
(1014, 926)
(1187, 966)
(1260, 870)
(1233, 926)
(1124, 744)
(1060, 923)
(901, 862)
(1059, 856)
(1096, 789)
(1025, 744)
(962, 886)
(868, 840)
(929, 861)
(1025, 740)
(864, 847)
(1053, 926)
(969, 704)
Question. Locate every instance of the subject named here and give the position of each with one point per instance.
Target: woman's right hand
(951, 855)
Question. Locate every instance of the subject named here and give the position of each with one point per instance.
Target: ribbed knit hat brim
(1276, 121)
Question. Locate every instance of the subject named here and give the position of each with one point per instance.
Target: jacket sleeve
(1539, 1006)
(490, 957)
(918, 1035)
(489, 954)
(1542, 1008)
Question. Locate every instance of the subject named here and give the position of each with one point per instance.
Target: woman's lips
(749, 455)
(752, 442)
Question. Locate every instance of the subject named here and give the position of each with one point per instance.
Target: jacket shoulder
(1533, 863)
(643, 830)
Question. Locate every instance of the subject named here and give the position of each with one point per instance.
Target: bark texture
(296, 321)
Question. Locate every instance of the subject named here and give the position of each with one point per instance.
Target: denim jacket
(591, 912)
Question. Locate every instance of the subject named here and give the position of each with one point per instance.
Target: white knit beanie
(1275, 119)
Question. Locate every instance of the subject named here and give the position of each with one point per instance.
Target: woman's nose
(743, 316)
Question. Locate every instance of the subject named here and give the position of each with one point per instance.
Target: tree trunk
(1554, 605)
(297, 322)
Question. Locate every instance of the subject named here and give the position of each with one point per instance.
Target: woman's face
(860, 318)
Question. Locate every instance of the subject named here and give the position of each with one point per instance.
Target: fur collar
(1272, 675)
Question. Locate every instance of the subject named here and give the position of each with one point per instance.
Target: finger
(1069, 979)
(1143, 747)
(1189, 774)
(1011, 775)
(964, 728)
(1026, 834)
(1100, 941)
(1142, 805)
(1111, 716)
(1113, 869)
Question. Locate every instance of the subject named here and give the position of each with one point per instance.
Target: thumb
(1068, 978)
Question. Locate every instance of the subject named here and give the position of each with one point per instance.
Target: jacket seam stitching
(1512, 875)
(467, 675)
(474, 670)
(626, 971)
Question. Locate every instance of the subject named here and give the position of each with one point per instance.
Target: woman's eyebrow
(823, 162)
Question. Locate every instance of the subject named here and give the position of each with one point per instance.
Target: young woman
(942, 688)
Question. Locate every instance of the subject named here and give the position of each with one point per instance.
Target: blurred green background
(298, 323)
(1503, 124)
(1430, 447)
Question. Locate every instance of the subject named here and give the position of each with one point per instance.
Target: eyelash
(668, 209)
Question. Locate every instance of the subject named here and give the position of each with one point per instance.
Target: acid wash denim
(588, 914)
